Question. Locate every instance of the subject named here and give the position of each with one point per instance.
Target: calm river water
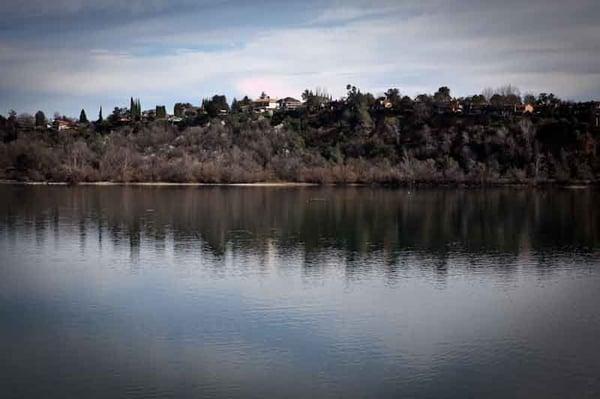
(133, 292)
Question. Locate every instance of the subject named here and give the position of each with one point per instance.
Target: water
(298, 292)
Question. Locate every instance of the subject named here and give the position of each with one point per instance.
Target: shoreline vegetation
(572, 185)
(497, 138)
(156, 184)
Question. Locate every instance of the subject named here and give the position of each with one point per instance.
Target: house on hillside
(265, 103)
(528, 109)
(63, 124)
(524, 109)
(289, 104)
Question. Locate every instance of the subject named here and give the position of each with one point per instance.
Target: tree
(322, 94)
(512, 99)
(497, 100)
(135, 109)
(138, 109)
(478, 99)
(117, 115)
(216, 105)
(83, 117)
(100, 117)
(488, 92)
(306, 95)
(234, 105)
(310, 99)
(40, 119)
(359, 104)
(178, 109)
(509, 90)
(529, 98)
(406, 102)
(246, 101)
(393, 96)
(161, 112)
(241, 105)
(314, 100)
(548, 100)
(442, 95)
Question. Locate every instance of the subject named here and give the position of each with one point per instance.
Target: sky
(64, 55)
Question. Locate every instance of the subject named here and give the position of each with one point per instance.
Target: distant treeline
(495, 137)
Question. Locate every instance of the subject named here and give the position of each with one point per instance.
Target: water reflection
(355, 224)
(278, 292)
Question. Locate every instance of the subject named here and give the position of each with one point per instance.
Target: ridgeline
(494, 138)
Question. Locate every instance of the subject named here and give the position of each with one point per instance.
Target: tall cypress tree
(83, 117)
(100, 117)
(135, 109)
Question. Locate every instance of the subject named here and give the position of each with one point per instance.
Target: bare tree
(488, 93)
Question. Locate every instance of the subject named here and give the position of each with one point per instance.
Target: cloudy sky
(62, 55)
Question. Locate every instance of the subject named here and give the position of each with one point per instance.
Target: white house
(265, 103)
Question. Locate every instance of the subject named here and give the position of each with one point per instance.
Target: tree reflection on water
(356, 223)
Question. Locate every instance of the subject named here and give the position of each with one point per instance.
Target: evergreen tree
(135, 109)
(442, 95)
(161, 112)
(40, 119)
(118, 114)
(178, 109)
(393, 96)
(216, 105)
(83, 117)
(244, 104)
(100, 117)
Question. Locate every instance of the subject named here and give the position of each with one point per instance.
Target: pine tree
(135, 109)
(83, 117)
(161, 112)
(40, 119)
(178, 108)
(138, 109)
(100, 117)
